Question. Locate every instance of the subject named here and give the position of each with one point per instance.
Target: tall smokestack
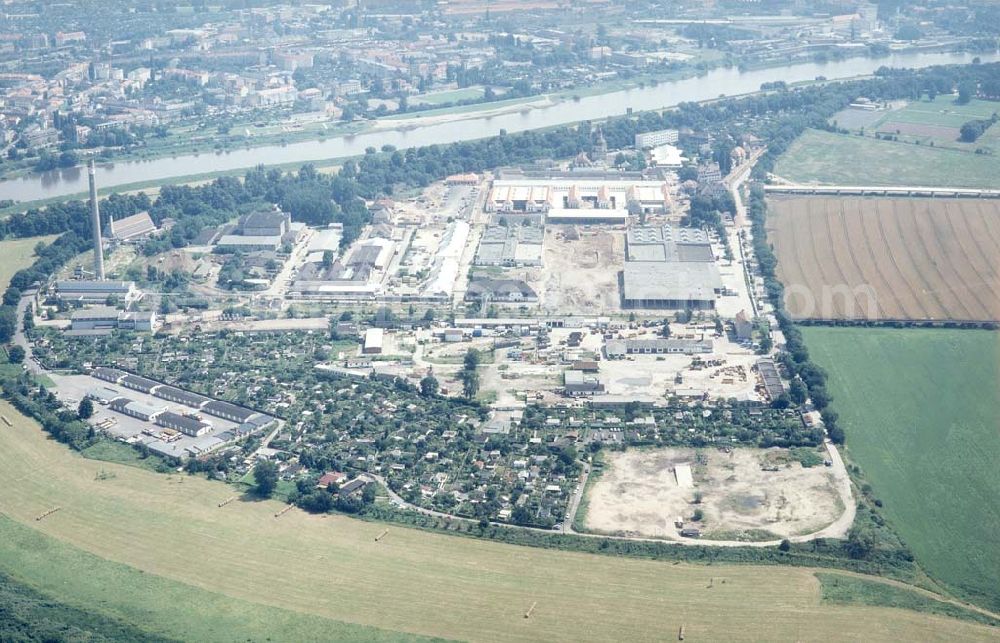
(95, 220)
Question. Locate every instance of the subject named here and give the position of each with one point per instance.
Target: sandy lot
(580, 275)
(638, 494)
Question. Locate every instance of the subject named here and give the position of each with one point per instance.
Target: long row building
(581, 198)
(248, 419)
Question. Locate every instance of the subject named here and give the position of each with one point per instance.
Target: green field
(934, 122)
(852, 590)
(919, 408)
(452, 96)
(153, 604)
(942, 111)
(17, 254)
(157, 550)
(840, 159)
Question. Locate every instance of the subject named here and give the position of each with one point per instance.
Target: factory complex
(168, 420)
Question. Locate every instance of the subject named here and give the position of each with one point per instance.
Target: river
(665, 94)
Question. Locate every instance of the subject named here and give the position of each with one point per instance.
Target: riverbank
(477, 124)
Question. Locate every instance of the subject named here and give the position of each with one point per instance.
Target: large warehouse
(587, 194)
(669, 267)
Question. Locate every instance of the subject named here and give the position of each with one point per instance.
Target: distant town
(165, 78)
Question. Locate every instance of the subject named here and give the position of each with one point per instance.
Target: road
(733, 182)
(33, 367)
(281, 280)
(574, 502)
(478, 219)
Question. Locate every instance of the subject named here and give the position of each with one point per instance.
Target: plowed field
(888, 259)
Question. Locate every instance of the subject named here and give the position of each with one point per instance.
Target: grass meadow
(152, 548)
(17, 254)
(842, 159)
(919, 408)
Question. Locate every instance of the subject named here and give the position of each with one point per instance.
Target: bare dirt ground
(580, 270)
(638, 495)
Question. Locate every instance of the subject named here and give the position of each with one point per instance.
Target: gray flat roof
(140, 382)
(145, 409)
(240, 240)
(650, 280)
(181, 422)
(97, 312)
(220, 408)
(185, 397)
(103, 372)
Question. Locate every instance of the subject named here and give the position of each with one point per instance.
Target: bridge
(882, 190)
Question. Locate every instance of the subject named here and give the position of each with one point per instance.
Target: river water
(665, 94)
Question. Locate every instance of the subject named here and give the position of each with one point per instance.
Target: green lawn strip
(849, 590)
(919, 409)
(161, 607)
(108, 450)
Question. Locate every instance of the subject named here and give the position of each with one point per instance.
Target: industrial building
(139, 383)
(447, 260)
(578, 383)
(647, 140)
(587, 216)
(512, 246)
(108, 318)
(669, 267)
(228, 411)
(98, 318)
(619, 348)
(262, 231)
(373, 341)
(138, 410)
(583, 193)
(743, 326)
(771, 378)
(186, 425)
(484, 290)
(671, 285)
(371, 253)
(103, 394)
(133, 228)
(87, 291)
(112, 375)
(187, 398)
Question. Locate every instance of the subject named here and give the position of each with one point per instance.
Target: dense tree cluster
(973, 129)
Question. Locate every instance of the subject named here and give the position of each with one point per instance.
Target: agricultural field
(742, 494)
(937, 123)
(123, 541)
(841, 159)
(919, 410)
(898, 259)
